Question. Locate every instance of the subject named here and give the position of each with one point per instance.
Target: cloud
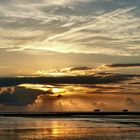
(125, 65)
(100, 78)
(68, 26)
(20, 96)
(101, 34)
(104, 69)
(49, 2)
(10, 90)
(69, 71)
(80, 68)
(100, 94)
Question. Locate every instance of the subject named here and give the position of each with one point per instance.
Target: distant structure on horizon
(125, 110)
(96, 110)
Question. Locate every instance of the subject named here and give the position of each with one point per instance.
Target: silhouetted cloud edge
(101, 78)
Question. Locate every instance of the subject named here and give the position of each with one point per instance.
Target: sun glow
(37, 86)
(57, 90)
(54, 73)
(49, 88)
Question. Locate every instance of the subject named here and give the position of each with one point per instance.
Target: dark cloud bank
(101, 78)
(80, 68)
(20, 97)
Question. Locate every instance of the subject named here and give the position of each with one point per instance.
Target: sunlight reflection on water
(67, 128)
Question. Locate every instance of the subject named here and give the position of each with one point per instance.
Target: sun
(57, 90)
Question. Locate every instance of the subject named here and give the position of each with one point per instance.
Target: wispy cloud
(103, 34)
(62, 27)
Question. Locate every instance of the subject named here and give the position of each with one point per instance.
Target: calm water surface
(110, 128)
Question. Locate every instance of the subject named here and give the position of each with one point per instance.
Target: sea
(76, 128)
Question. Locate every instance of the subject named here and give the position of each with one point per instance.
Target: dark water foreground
(114, 127)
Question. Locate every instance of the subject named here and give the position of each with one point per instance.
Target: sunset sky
(69, 55)
(42, 35)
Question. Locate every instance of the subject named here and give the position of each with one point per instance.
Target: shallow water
(109, 128)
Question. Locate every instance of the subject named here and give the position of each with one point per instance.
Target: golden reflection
(55, 128)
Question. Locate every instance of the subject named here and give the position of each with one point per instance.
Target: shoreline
(69, 114)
